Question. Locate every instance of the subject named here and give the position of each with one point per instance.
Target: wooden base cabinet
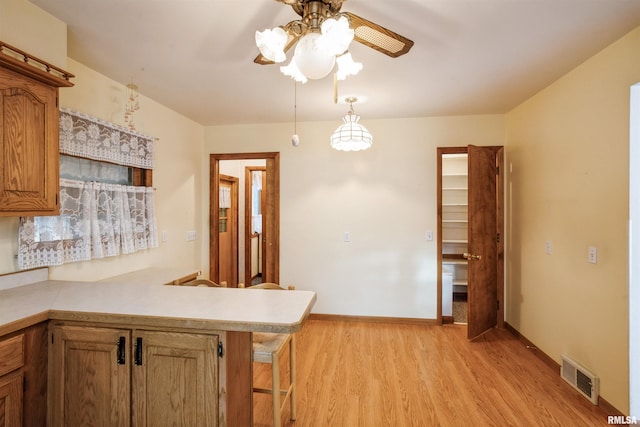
(11, 399)
(102, 376)
(175, 378)
(23, 378)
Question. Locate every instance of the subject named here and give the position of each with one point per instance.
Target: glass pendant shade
(351, 135)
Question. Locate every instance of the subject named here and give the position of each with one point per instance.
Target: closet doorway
(270, 214)
(470, 236)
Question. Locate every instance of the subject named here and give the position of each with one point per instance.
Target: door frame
(499, 226)
(248, 200)
(272, 207)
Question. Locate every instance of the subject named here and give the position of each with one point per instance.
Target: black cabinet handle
(122, 342)
(138, 351)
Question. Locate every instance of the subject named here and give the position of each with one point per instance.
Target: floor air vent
(580, 378)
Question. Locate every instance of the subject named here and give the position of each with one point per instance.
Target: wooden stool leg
(292, 373)
(275, 386)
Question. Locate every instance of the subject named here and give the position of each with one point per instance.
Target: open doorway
(270, 212)
(470, 236)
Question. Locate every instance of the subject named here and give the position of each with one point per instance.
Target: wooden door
(175, 379)
(271, 223)
(485, 235)
(89, 377)
(228, 233)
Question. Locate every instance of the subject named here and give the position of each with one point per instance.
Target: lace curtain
(84, 136)
(225, 197)
(96, 220)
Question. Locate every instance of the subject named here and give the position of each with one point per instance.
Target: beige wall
(34, 31)
(384, 197)
(568, 148)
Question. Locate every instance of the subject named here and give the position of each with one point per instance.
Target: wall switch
(191, 235)
(592, 256)
(164, 235)
(547, 247)
(347, 236)
(429, 235)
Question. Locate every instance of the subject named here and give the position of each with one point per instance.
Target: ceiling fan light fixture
(347, 66)
(351, 135)
(272, 43)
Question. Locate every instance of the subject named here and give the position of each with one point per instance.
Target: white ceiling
(470, 56)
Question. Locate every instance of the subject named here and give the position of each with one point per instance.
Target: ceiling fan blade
(377, 37)
(291, 40)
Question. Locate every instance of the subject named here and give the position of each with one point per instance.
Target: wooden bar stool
(268, 348)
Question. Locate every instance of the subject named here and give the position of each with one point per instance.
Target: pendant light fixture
(351, 135)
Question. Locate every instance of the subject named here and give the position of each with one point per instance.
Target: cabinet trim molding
(33, 67)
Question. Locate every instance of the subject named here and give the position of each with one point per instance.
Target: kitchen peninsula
(150, 330)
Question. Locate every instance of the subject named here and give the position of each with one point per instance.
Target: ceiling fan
(320, 17)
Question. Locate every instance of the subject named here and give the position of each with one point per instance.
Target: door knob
(471, 256)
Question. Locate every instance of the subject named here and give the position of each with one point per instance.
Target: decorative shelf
(19, 61)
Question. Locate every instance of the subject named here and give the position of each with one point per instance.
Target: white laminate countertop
(140, 299)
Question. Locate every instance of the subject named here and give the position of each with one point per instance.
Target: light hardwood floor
(378, 374)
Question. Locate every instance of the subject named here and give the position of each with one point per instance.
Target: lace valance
(84, 136)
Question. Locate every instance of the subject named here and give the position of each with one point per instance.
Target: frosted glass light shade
(347, 66)
(293, 71)
(351, 135)
(271, 43)
(336, 35)
(312, 59)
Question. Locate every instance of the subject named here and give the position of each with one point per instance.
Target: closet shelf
(455, 241)
(454, 261)
(460, 283)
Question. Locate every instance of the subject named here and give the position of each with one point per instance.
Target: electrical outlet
(429, 235)
(592, 256)
(164, 235)
(347, 236)
(547, 247)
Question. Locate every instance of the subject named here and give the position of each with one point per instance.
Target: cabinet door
(29, 156)
(89, 377)
(11, 399)
(175, 379)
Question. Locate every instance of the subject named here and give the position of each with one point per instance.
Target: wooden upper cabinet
(29, 134)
